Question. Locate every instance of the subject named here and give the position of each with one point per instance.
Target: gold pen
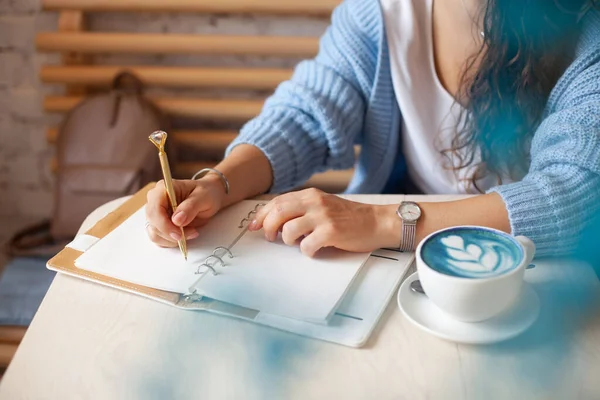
(159, 139)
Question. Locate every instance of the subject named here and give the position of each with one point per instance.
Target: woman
(500, 98)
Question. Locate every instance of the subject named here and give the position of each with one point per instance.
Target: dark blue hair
(527, 46)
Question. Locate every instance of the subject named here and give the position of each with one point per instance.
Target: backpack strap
(127, 81)
(34, 240)
(124, 82)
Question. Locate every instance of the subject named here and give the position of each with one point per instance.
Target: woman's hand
(198, 202)
(320, 220)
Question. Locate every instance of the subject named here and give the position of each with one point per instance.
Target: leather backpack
(103, 153)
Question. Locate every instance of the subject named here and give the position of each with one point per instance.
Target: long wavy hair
(504, 88)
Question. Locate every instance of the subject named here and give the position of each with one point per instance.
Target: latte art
(471, 253)
(482, 257)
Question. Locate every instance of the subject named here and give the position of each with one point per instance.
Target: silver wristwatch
(409, 212)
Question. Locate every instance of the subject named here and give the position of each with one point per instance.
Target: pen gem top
(159, 138)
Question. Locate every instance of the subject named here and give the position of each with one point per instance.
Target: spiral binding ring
(211, 266)
(219, 258)
(245, 220)
(227, 251)
(249, 216)
(207, 266)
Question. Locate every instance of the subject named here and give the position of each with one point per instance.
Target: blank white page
(278, 279)
(127, 253)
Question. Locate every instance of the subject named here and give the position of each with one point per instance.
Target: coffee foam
(471, 253)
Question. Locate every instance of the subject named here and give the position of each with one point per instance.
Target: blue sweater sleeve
(311, 121)
(561, 192)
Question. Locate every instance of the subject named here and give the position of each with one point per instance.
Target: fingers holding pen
(160, 228)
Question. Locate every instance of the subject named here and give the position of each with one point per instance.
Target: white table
(89, 341)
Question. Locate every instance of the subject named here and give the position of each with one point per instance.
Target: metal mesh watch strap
(407, 243)
(409, 213)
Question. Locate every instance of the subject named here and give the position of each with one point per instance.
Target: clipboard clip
(191, 297)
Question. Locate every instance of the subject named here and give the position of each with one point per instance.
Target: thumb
(196, 205)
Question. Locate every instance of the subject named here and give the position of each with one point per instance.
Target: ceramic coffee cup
(473, 273)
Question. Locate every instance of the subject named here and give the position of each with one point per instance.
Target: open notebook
(115, 252)
(251, 272)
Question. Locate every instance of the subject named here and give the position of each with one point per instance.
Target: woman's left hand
(320, 220)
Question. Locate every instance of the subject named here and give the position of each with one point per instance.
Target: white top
(429, 112)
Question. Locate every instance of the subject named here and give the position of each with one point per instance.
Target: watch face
(410, 212)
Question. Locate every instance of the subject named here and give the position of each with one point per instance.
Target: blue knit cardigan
(344, 96)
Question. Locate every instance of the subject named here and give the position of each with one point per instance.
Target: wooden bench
(216, 119)
(10, 337)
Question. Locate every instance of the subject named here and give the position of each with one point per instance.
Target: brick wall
(25, 180)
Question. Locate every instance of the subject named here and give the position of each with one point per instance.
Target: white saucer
(424, 314)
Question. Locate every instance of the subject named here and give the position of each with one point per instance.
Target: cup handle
(528, 247)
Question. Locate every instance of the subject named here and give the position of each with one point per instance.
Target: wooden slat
(206, 139)
(214, 109)
(331, 181)
(209, 140)
(70, 21)
(52, 135)
(12, 334)
(7, 352)
(308, 7)
(73, 21)
(153, 43)
(188, 169)
(215, 141)
(236, 78)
